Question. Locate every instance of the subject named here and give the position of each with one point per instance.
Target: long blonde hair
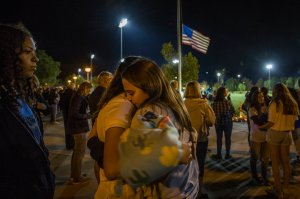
(192, 90)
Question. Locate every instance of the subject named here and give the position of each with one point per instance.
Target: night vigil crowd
(146, 139)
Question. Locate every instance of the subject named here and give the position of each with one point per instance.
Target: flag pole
(179, 36)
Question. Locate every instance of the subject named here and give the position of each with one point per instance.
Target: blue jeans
(201, 151)
(78, 154)
(227, 129)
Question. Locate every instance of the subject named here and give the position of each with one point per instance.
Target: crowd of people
(147, 140)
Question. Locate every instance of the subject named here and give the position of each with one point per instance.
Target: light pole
(79, 71)
(87, 70)
(122, 23)
(92, 57)
(218, 75)
(269, 67)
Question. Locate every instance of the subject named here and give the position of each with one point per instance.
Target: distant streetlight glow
(87, 70)
(238, 76)
(175, 61)
(92, 57)
(218, 75)
(122, 23)
(269, 67)
(79, 71)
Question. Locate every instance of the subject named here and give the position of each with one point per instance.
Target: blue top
(30, 120)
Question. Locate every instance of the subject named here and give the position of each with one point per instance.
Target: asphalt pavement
(226, 179)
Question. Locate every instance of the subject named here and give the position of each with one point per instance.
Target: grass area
(237, 98)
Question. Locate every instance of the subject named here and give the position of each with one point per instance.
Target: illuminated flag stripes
(195, 39)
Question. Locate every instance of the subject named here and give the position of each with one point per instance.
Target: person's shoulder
(119, 100)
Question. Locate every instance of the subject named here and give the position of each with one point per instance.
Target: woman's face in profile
(134, 94)
(27, 58)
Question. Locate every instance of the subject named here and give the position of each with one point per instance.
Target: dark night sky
(245, 36)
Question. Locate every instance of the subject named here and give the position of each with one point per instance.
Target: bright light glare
(123, 22)
(238, 76)
(175, 61)
(218, 74)
(87, 69)
(269, 66)
(79, 70)
(92, 56)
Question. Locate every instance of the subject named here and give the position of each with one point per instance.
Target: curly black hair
(12, 85)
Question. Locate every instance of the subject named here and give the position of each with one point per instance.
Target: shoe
(216, 157)
(272, 191)
(228, 156)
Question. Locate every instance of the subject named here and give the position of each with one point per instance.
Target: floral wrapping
(150, 152)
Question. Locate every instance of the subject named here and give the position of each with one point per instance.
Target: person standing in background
(245, 107)
(103, 79)
(202, 117)
(265, 92)
(224, 111)
(78, 126)
(25, 168)
(282, 114)
(53, 102)
(259, 146)
(64, 104)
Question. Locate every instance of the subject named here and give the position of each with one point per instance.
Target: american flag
(195, 39)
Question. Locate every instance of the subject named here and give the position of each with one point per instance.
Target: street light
(175, 61)
(75, 78)
(269, 67)
(87, 70)
(238, 76)
(219, 74)
(92, 57)
(79, 71)
(122, 23)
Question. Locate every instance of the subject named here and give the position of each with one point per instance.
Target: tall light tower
(269, 67)
(92, 57)
(122, 23)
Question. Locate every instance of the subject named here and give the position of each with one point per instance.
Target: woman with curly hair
(24, 168)
(283, 111)
(259, 146)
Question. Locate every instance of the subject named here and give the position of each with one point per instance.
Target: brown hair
(146, 75)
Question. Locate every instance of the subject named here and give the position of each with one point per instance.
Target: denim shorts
(278, 138)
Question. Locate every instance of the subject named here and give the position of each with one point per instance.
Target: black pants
(69, 140)
(201, 156)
